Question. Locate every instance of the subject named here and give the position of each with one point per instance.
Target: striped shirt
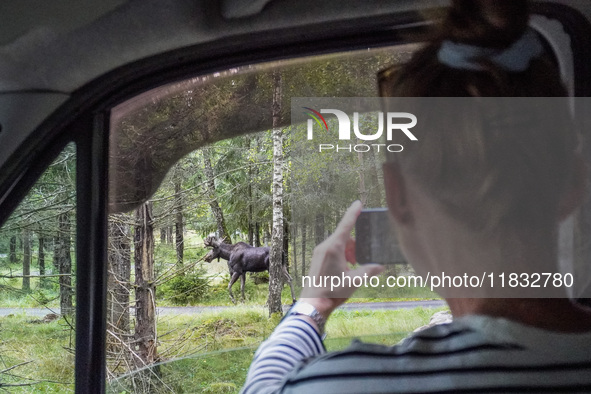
(472, 354)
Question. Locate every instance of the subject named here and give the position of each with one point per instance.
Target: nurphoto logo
(392, 120)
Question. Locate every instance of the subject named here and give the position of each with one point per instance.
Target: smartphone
(375, 241)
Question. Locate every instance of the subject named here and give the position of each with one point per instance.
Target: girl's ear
(396, 194)
(574, 195)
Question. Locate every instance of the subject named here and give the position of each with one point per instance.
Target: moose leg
(233, 279)
(288, 278)
(242, 280)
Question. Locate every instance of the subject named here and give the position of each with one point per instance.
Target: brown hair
(485, 23)
(488, 164)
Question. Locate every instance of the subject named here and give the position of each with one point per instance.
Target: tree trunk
(41, 256)
(257, 234)
(118, 291)
(12, 253)
(179, 229)
(303, 248)
(285, 260)
(163, 235)
(250, 224)
(376, 198)
(319, 228)
(145, 289)
(56, 250)
(294, 233)
(276, 258)
(336, 219)
(250, 202)
(169, 235)
(286, 226)
(361, 171)
(267, 234)
(213, 202)
(26, 284)
(63, 259)
(119, 269)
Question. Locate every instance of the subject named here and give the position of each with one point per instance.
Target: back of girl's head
(484, 23)
(488, 163)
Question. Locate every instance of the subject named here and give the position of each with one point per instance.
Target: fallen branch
(15, 366)
(3, 385)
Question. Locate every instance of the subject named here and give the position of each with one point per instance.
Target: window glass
(37, 282)
(196, 164)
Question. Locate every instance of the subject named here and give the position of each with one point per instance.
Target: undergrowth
(207, 352)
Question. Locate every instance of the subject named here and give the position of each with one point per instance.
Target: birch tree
(276, 258)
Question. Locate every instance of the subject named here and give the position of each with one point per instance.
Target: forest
(215, 155)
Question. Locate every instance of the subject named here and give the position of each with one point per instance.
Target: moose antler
(213, 242)
(209, 241)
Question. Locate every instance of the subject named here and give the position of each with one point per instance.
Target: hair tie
(516, 58)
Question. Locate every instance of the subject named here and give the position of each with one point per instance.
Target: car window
(37, 282)
(196, 163)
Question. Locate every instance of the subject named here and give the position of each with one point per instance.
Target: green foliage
(43, 297)
(260, 277)
(186, 289)
(53, 193)
(164, 257)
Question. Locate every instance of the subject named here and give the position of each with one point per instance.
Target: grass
(205, 352)
(257, 295)
(227, 341)
(37, 298)
(343, 323)
(45, 347)
(214, 330)
(208, 352)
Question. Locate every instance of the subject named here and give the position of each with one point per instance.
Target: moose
(242, 258)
